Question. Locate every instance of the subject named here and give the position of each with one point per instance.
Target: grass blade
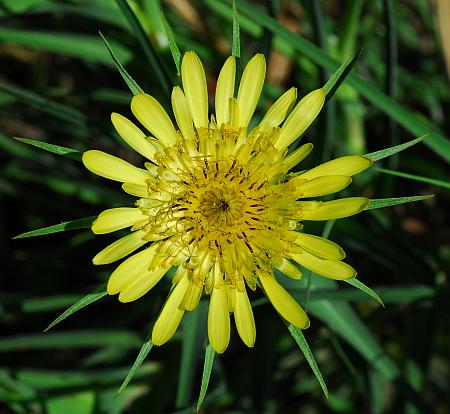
(192, 339)
(298, 336)
(145, 349)
(366, 289)
(388, 202)
(82, 303)
(387, 152)
(83, 223)
(55, 109)
(433, 181)
(134, 87)
(339, 76)
(176, 54)
(56, 149)
(437, 142)
(236, 41)
(207, 368)
(148, 49)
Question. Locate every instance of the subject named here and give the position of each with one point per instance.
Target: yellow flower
(216, 201)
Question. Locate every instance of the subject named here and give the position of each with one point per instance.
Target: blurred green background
(58, 84)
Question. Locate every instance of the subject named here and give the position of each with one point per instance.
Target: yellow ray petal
(234, 113)
(349, 165)
(152, 115)
(330, 210)
(116, 219)
(319, 246)
(130, 269)
(137, 190)
(320, 186)
(329, 268)
(171, 314)
(283, 302)
(250, 88)
(182, 113)
(300, 118)
(133, 136)
(120, 248)
(142, 284)
(193, 295)
(243, 317)
(287, 268)
(225, 91)
(195, 89)
(219, 319)
(113, 168)
(295, 157)
(278, 112)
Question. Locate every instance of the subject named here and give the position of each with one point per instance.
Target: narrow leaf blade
(428, 180)
(134, 87)
(339, 76)
(56, 149)
(82, 303)
(146, 348)
(388, 202)
(83, 223)
(176, 54)
(236, 42)
(207, 368)
(298, 336)
(364, 288)
(387, 152)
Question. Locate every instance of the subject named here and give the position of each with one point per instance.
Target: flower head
(217, 202)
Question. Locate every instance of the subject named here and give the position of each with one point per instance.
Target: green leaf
(437, 142)
(146, 348)
(192, 339)
(339, 76)
(176, 54)
(43, 104)
(150, 53)
(70, 339)
(236, 41)
(387, 152)
(298, 336)
(134, 87)
(56, 149)
(428, 180)
(82, 303)
(207, 368)
(87, 48)
(366, 289)
(83, 223)
(77, 403)
(388, 202)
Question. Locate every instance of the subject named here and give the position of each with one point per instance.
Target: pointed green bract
(83, 223)
(82, 303)
(339, 76)
(176, 54)
(388, 202)
(146, 348)
(134, 87)
(298, 336)
(364, 288)
(387, 152)
(207, 368)
(55, 149)
(428, 180)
